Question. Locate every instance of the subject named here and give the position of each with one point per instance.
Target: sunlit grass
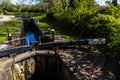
(45, 24)
(12, 26)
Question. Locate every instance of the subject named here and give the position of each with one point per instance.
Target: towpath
(5, 19)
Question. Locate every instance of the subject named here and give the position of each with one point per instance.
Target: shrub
(92, 22)
(0, 10)
(107, 26)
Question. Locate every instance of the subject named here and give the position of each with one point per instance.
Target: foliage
(112, 10)
(106, 26)
(21, 9)
(5, 4)
(101, 24)
(89, 20)
(0, 10)
(77, 16)
(28, 8)
(27, 71)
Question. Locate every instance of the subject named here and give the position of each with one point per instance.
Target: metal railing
(17, 42)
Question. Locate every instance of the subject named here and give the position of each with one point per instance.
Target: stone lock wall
(17, 71)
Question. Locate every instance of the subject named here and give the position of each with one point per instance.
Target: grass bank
(12, 26)
(60, 30)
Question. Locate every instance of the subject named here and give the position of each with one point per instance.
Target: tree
(71, 3)
(4, 4)
(114, 2)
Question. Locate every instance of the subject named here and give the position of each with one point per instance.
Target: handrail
(13, 41)
(47, 45)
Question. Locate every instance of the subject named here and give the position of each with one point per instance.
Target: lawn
(12, 26)
(45, 24)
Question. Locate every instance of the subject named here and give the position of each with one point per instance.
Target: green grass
(60, 30)
(12, 26)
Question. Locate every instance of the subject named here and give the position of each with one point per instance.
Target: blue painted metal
(30, 37)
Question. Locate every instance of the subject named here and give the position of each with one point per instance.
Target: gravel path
(5, 19)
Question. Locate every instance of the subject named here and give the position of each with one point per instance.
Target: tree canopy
(5, 3)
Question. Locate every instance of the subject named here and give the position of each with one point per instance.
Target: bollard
(53, 34)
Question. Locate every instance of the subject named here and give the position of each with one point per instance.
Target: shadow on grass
(60, 30)
(2, 34)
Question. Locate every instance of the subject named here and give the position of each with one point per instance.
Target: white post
(40, 39)
(28, 41)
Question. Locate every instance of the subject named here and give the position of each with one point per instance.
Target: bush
(107, 26)
(0, 10)
(91, 22)
(50, 16)
(101, 24)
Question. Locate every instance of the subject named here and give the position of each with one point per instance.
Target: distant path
(5, 19)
